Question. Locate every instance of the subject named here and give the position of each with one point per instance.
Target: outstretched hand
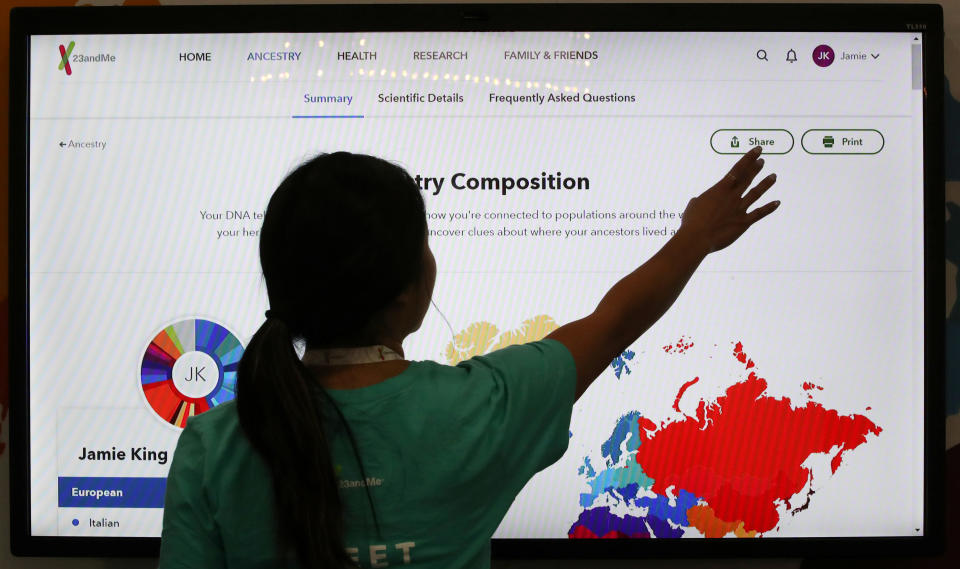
(712, 220)
(718, 217)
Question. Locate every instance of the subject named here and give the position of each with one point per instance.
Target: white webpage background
(827, 290)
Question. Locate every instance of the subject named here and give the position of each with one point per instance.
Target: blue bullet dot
(76, 522)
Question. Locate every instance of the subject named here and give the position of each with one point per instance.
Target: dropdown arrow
(875, 55)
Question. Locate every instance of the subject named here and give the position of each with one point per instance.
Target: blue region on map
(615, 480)
(661, 528)
(629, 492)
(619, 363)
(586, 468)
(611, 480)
(628, 424)
(621, 483)
(602, 522)
(659, 507)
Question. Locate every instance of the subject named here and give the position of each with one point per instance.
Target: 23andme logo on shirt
(370, 481)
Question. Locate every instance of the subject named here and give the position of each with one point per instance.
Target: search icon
(762, 54)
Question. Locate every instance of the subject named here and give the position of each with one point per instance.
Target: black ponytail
(276, 395)
(342, 236)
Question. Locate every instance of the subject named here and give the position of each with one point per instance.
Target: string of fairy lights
(403, 74)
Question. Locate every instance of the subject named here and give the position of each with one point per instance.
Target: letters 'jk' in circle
(823, 55)
(188, 368)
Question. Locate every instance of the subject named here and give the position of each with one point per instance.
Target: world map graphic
(729, 469)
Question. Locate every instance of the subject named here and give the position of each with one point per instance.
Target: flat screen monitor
(789, 402)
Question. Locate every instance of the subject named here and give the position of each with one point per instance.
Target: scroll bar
(916, 57)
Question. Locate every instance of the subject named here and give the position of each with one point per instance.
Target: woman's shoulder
(520, 357)
(218, 430)
(216, 419)
(546, 364)
(230, 464)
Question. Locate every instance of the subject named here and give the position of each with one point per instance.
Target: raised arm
(711, 221)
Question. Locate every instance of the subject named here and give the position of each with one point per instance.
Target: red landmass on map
(744, 452)
(676, 400)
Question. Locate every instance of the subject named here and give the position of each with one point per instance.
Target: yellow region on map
(481, 337)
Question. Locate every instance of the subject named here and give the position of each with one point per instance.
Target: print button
(842, 141)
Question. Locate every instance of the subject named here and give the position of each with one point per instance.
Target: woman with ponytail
(352, 455)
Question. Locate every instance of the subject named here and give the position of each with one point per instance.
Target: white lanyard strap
(349, 356)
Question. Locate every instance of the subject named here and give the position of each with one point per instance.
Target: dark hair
(342, 236)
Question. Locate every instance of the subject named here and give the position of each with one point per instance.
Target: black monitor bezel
(916, 18)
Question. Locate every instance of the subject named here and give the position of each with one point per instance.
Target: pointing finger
(743, 166)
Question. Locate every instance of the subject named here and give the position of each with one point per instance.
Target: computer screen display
(784, 395)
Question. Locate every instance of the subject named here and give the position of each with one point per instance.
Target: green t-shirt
(445, 449)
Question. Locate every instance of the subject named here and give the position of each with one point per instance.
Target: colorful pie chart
(188, 368)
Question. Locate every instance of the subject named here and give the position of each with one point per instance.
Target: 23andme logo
(65, 58)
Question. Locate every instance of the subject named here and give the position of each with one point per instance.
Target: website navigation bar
(565, 60)
(537, 74)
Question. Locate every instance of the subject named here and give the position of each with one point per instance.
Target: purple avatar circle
(823, 55)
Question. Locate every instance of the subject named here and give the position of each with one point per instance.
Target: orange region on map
(703, 518)
(480, 337)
